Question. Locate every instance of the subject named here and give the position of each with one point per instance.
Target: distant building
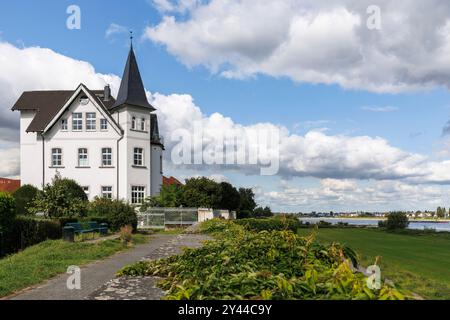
(9, 185)
(171, 181)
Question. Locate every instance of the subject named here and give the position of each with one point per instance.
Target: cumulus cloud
(313, 41)
(353, 196)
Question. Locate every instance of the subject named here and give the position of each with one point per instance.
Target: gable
(48, 105)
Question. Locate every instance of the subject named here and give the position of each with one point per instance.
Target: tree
(24, 196)
(261, 212)
(169, 197)
(440, 212)
(202, 193)
(247, 203)
(7, 210)
(61, 198)
(230, 198)
(397, 220)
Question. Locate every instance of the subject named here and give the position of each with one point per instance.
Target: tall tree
(230, 197)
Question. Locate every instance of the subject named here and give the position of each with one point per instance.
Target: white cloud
(314, 41)
(114, 29)
(379, 109)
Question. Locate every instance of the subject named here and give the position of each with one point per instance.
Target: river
(413, 224)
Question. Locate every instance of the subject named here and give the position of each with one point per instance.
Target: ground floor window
(107, 192)
(137, 194)
(86, 190)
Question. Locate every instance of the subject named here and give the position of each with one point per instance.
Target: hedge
(270, 224)
(27, 231)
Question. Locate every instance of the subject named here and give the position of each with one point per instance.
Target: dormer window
(133, 123)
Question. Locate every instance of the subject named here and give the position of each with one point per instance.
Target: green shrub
(28, 231)
(117, 213)
(277, 265)
(24, 196)
(395, 221)
(61, 198)
(269, 224)
(7, 210)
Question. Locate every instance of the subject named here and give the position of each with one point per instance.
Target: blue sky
(412, 120)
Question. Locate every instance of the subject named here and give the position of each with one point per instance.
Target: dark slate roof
(154, 134)
(47, 104)
(132, 90)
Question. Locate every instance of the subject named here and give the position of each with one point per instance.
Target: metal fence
(159, 218)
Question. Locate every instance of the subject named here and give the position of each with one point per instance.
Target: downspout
(43, 160)
(117, 151)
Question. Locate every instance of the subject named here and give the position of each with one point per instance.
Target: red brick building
(9, 185)
(171, 181)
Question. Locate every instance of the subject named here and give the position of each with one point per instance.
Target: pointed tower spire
(132, 90)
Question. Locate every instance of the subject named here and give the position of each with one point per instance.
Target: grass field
(50, 258)
(420, 263)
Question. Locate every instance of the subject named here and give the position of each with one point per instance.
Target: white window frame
(103, 124)
(80, 165)
(64, 125)
(138, 194)
(133, 123)
(136, 156)
(143, 124)
(91, 123)
(107, 194)
(77, 122)
(110, 153)
(60, 154)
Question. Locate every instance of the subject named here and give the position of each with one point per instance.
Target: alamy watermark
(74, 280)
(73, 22)
(251, 146)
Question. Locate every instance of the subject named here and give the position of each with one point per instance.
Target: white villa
(112, 148)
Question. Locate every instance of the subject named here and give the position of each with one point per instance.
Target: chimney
(107, 94)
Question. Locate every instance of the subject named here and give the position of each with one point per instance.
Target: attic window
(84, 100)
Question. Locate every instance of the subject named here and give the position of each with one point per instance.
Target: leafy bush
(277, 223)
(117, 213)
(395, 221)
(126, 234)
(24, 196)
(265, 265)
(61, 198)
(7, 210)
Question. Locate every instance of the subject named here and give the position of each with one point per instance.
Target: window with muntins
(103, 124)
(138, 157)
(137, 194)
(107, 192)
(106, 157)
(83, 160)
(64, 125)
(56, 157)
(91, 121)
(77, 121)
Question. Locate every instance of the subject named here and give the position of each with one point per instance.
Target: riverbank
(418, 263)
(377, 219)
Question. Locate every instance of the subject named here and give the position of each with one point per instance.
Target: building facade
(112, 148)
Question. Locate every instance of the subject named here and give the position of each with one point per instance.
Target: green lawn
(50, 258)
(420, 263)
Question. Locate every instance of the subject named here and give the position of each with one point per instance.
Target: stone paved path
(99, 276)
(144, 288)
